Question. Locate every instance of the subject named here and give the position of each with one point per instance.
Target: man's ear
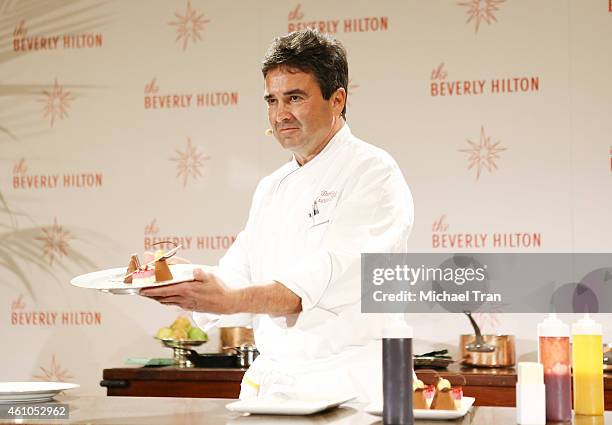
(338, 99)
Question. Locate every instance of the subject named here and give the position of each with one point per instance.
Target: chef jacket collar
(342, 135)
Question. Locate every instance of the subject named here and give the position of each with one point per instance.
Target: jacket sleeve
(374, 214)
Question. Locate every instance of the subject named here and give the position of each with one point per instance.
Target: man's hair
(312, 52)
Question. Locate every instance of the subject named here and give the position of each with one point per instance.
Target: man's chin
(289, 143)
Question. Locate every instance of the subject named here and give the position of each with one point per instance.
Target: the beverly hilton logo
(154, 98)
(441, 85)
(298, 21)
(153, 239)
(189, 162)
(481, 11)
(23, 180)
(443, 237)
(56, 103)
(53, 373)
(483, 154)
(45, 318)
(189, 26)
(24, 43)
(55, 241)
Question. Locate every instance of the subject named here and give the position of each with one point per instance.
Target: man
(296, 265)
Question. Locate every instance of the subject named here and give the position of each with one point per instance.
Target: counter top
(490, 386)
(102, 410)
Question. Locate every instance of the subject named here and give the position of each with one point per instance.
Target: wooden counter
(171, 381)
(490, 387)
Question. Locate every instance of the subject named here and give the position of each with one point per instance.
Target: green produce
(197, 334)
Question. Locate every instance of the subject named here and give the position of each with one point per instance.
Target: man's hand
(209, 294)
(205, 293)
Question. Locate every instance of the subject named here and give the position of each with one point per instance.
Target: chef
(296, 265)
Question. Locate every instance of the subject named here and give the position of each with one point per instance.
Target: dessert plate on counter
(290, 403)
(431, 414)
(111, 280)
(28, 392)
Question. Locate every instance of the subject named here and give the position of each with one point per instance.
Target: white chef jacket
(307, 228)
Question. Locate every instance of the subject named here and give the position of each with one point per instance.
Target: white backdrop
(122, 122)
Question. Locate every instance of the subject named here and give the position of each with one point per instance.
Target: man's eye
(271, 101)
(294, 98)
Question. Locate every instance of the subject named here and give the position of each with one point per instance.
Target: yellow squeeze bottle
(587, 355)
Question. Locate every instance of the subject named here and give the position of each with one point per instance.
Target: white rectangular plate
(290, 403)
(432, 414)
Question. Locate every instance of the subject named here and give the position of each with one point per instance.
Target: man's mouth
(288, 130)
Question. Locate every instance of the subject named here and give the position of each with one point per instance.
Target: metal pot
(503, 355)
(234, 337)
(247, 353)
(486, 350)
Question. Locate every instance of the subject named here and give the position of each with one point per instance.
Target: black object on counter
(214, 360)
(397, 376)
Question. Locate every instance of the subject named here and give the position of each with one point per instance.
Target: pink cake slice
(143, 277)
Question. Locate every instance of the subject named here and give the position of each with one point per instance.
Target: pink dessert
(143, 277)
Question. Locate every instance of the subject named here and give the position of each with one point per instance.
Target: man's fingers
(162, 291)
(171, 300)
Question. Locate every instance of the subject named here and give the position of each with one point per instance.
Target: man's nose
(282, 112)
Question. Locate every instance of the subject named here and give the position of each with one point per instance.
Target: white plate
(21, 392)
(290, 403)
(466, 403)
(111, 280)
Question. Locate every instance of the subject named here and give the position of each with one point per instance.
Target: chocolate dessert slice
(133, 265)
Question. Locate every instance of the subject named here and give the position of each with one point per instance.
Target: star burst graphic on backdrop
(189, 162)
(483, 154)
(57, 101)
(481, 10)
(189, 26)
(55, 241)
(54, 373)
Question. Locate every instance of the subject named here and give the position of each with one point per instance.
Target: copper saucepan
(486, 350)
(502, 356)
(234, 337)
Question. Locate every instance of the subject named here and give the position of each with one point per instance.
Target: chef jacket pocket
(316, 232)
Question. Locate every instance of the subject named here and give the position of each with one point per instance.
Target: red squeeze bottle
(554, 354)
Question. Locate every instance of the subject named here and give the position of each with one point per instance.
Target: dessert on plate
(138, 274)
(422, 395)
(143, 276)
(446, 397)
(133, 265)
(162, 271)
